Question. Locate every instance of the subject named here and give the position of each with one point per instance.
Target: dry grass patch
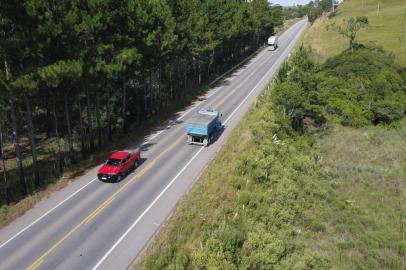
(364, 224)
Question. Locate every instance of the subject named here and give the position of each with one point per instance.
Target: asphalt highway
(94, 225)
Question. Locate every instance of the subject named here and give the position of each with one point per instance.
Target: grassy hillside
(384, 29)
(364, 224)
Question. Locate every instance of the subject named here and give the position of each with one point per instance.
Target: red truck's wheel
(135, 164)
(119, 177)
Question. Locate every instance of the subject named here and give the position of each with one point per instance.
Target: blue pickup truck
(202, 127)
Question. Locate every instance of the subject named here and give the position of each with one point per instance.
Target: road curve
(95, 225)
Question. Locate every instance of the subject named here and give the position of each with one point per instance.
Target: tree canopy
(87, 71)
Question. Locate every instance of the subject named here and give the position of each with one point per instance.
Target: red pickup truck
(118, 165)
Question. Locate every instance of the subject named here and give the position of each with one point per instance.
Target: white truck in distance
(273, 43)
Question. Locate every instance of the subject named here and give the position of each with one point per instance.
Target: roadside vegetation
(79, 79)
(313, 178)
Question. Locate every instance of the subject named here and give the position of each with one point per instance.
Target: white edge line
(49, 211)
(263, 78)
(188, 111)
(179, 173)
(215, 92)
(153, 137)
(209, 95)
(145, 211)
(73, 194)
(59, 204)
(221, 76)
(249, 94)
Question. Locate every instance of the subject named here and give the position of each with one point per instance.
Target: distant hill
(385, 28)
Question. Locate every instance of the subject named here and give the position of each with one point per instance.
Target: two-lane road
(95, 225)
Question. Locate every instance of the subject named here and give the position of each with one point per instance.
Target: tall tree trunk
(32, 142)
(124, 108)
(16, 140)
(3, 157)
(151, 93)
(139, 105)
(145, 101)
(148, 93)
(99, 131)
(194, 66)
(90, 123)
(161, 89)
(171, 82)
(199, 73)
(49, 118)
(70, 139)
(3, 163)
(185, 86)
(59, 154)
(108, 111)
(82, 131)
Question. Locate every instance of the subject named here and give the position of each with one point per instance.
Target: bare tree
(58, 140)
(3, 163)
(32, 141)
(16, 138)
(16, 141)
(69, 128)
(350, 28)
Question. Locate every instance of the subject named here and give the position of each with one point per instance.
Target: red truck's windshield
(113, 162)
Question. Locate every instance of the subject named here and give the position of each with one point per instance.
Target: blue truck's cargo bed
(201, 124)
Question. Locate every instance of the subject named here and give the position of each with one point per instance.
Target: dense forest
(76, 75)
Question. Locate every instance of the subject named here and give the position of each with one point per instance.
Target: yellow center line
(240, 84)
(109, 200)
(99, 209)
(35, 265)
(102, 206)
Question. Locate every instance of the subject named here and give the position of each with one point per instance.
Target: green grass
(383, 30)
(364, 217)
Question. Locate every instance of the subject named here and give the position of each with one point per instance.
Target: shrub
(357, 88)
(389, 109)
(261, 250)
